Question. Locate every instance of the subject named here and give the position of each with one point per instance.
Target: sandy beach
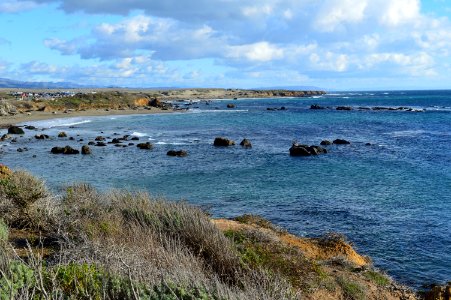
(40, 115)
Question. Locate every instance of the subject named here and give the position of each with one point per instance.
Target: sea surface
(392, 199)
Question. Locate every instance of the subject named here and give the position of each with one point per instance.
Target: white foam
(170, 143)
(59, 122)
(199, 111)
(139, 134)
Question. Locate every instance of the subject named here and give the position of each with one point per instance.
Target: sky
(331, 44)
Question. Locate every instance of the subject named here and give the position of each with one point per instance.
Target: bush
(17, 278)
(351, 290)
(4, 232)
(22, 189)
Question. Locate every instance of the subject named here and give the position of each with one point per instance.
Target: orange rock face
(141, 102)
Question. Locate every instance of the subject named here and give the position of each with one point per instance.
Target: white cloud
(397, 12)
(334, 13)
(257, 52)
(14, 6)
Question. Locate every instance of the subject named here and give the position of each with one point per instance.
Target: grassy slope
(122, 245)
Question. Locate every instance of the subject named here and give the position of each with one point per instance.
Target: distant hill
(9, 83)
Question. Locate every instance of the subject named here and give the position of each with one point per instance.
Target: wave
(59, 122)
(139, 134)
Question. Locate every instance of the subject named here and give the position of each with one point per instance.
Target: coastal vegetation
(86, 244)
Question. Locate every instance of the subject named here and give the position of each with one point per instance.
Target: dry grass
(122, 245)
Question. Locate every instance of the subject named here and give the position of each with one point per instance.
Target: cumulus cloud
(14, 6)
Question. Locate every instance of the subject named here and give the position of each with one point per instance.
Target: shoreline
(40, 115)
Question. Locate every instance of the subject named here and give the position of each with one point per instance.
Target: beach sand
(22, 118)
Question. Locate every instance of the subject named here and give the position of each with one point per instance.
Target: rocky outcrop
(7, 109)
(41, 136)
(68, 150)
(145, 146)
(178, 153)
(325, 143)
(341, 142)
(246, 143)
(15, 130)
(305, 150)
(223, 142)
(85, 150)
(438, 292)
(316, 106)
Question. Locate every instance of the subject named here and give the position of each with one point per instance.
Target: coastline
(42, 115)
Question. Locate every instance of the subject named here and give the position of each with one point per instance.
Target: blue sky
(333, 44)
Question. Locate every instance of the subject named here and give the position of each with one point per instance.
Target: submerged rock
(246, 143)
(344, 108)
(341, 142)
(325, 143)
(223, 142)
(178, 153)
(316, 106)
(145, 146)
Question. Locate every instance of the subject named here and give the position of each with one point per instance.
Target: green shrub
(377, 278)
(4, 232)
(18, 277)
(351, 290)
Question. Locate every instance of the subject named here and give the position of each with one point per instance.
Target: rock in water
(146, 146)
(299, 150)
(69, 150)
(230, 105)
(85, 150)
(179, 153)
(223, 142)
(15, 130)
(246, 143)
(325, 143)
(57, 150)
(62, 134)
(341, 142)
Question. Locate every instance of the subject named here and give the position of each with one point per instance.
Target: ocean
(391, 198)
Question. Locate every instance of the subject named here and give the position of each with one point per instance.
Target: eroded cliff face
(321, 268)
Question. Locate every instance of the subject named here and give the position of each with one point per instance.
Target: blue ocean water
(392, 199)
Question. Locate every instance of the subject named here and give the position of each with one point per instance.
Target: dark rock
(130, 144)
(15, 130)
(71, 138)
(57, 150)
(155, 102)
(230, 105)
(62, 134)
(271, 108)
(246, 143)
(5, 137)
(179, 153)
(341, 142)
(315, 150)
(41, 136)
(85, 150)
(368, 144)
(30, 127)
(223, 142)
(325, 143)
(283, 108)
(316, 106)
(146, 146)
(299, 150)
(135, 138)
(116, 141)
(20, 150)
(344, 108)
(100, 138)
(91, 143)
(69, 150)
(101, 144)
